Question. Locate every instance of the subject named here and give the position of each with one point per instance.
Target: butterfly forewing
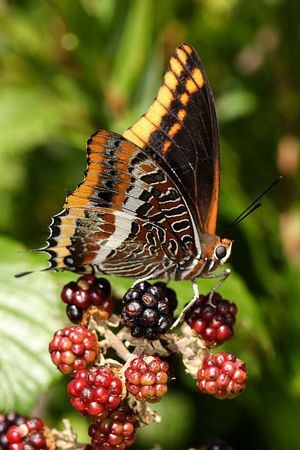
(126, 218)
(181, 126)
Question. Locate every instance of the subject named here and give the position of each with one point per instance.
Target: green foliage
(68, 68)
(29, 312)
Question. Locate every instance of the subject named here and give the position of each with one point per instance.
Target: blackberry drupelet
(148, 309)
(74, 313)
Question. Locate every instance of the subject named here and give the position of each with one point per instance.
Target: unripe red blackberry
(147, 309)
(85, 292)
(27, 436)
(222, 375)
(147, 377)
(73, 348)
(116, 431)
(213, 319)
(95, 391)
(6, 421)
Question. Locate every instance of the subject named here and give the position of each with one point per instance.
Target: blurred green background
(70, 67)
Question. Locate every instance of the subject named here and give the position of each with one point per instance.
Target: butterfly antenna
(24, 274)
(250, 211)
(254, 205)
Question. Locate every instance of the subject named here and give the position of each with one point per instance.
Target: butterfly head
(219, 253)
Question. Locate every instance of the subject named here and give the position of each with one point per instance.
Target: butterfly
(148, 204)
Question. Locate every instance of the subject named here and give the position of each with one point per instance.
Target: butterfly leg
(222, 275)
(188, 306)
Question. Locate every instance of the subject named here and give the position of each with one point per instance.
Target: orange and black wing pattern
(127, 218)
(181, 127)
(148, 196)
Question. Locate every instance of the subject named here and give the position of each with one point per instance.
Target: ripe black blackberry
(148, 309)
(85, 292)
(6, 421)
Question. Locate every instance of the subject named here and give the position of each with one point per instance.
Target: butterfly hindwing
(181, 126)
(126, 218)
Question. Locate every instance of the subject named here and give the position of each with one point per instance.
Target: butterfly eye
(220, 252)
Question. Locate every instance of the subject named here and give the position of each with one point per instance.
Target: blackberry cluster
(87, 291)
(213, 319)
(222, 375)
(148, 310)
(96, 391)
(116, 431)
(6, 421)
(27, 436)
(73, 348)
(147, 377)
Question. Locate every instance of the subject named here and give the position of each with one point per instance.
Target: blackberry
(148, 309)
(116, 431)
(146, 378)
(6, 421)
(27, 436)
(73, 348)
(222, 375)
(96, 391)
(213, 319)
(85, 292)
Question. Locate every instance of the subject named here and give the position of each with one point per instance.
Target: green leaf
(30, 312)
(133, 47)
